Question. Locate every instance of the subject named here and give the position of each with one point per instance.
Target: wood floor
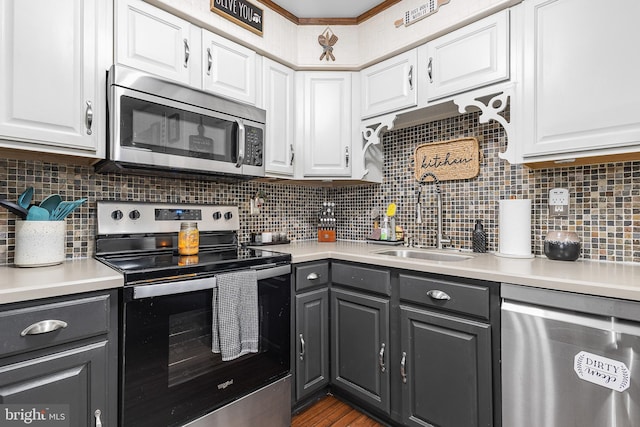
(331, 412)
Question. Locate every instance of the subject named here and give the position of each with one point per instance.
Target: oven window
(189, 349)
(163, 129)
(171, 375)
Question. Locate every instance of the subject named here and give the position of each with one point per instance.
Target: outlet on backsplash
(558, 202)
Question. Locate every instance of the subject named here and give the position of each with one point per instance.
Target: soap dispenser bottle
(479, 238)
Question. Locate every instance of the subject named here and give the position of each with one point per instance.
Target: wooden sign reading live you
(448, 160)
(241, 12)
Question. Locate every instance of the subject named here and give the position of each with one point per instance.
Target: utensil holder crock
(40, 243)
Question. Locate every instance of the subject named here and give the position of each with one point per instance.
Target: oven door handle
(172, 288)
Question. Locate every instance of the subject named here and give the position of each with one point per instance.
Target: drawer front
(458, 297)
(41, 326)
(311, 275)
(368, 279)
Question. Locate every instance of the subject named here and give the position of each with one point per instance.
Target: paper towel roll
(514, 222)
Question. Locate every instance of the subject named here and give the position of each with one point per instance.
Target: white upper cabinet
(581, 69)
(53, 62)
(278, 94)
(152, 40)
(390, 85)
(324, 101)
(473, 56)
(229, 69)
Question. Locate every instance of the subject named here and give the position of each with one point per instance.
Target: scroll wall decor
(448, 160)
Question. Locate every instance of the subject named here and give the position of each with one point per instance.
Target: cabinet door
(53, 59)
(278, 84)
(312, 342)
(360, 341)
(229, 69)
(445, 368)
(76, 379)
(390, 85)
(580, 84)
(152, 40)
(473, 56)
(326, 123)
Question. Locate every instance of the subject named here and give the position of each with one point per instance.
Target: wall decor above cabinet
(241, 12)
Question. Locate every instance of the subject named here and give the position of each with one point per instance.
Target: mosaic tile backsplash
(604, 199)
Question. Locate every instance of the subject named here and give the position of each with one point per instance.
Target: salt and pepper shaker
(479, 238)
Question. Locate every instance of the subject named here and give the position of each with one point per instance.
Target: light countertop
(70, 277)
(617, 280)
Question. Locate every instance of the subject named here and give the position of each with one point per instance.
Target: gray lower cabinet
(360, 341)
(61, 354)
(312, 342)
(445, 370)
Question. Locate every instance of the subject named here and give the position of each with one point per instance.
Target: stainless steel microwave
(157, 126)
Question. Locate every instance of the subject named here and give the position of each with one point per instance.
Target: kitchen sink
(426, 255)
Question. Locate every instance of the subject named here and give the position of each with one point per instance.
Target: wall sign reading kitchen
(241, 12)
(448, 160)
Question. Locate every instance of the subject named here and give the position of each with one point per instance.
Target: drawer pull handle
(97, 414)
(301, 347)
(403, 364)
(43, 327)
(313, 276)
(439, 295)
(381, 358)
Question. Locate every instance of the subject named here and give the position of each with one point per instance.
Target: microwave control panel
(254, 146)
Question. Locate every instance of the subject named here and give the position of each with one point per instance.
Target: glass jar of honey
(188, 238)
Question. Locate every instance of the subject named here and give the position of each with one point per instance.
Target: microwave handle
(241, 138)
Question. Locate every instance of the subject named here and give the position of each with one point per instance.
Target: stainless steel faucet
(440, 240)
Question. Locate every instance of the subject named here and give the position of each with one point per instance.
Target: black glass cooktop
(168, 265)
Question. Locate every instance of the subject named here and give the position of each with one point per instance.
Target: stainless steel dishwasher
(569, 360)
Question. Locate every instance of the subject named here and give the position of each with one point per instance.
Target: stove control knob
(117, 214)
(134, 214)
(228, 215)
(217, 215)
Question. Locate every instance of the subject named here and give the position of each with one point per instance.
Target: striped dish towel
(235, 314)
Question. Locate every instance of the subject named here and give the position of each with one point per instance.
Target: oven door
(170, 374)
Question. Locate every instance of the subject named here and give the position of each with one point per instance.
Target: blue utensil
(25, 198)
(36, 213)
(51, 202)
